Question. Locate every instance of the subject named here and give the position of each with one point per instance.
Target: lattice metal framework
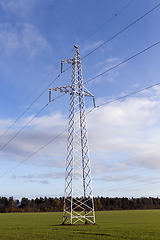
(78, 195)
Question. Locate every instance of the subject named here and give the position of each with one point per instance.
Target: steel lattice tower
(78, 195)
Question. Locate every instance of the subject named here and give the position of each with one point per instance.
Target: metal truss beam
(78, 194)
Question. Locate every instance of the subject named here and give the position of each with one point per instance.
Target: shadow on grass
(69, 225)
(94, 233)
(81, 231)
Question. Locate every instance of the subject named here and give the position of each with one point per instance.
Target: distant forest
(56, 204)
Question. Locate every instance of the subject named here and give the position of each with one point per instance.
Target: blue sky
(123, 136)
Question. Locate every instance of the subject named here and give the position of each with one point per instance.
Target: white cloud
(101, 165)
(122, 130)
(42, 131)
(149, 160)
(32, 41)
(90, 47)
(110, 62)
(36, 177)
(106, 65)
(125, 129)
(23, 38)
(9, 39)
(22, 7)
(114, 178)
(136, 85)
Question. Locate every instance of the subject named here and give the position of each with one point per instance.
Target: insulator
(61, 67)
(94, 103)
(49, 95)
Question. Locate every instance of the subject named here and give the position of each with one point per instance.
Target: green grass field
(136, 224)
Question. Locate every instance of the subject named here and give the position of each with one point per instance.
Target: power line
(133, 176)
(116, 99)
(97, 106)
(132, 183)
(25, 100)
(29, 122)
(34, 100)
(54, 70)
(85, 83)
(121, 31)
(116, 36)
(115, 15)
(31, 94)
(34, 153)
(127, 184)
(83, 58)
(100, 28)
(122, 62)
(30, 105)
(67, 128)
(24, 127)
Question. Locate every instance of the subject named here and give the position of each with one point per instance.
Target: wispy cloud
(40, 178)
(32, 41)
(22, 7)
(104, 66)
(9, 39)
(90, 46)
(115, 178)
(23, 38)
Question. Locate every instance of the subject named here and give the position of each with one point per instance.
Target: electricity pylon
(78, 195)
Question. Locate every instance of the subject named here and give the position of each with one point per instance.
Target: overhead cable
(92, 108)
(34, 153)
(29, 106)
(56, 68)
(122, 62)
(77, 120)
(91, 80)
(115, 15)
(121, 31)
(24, 126)
(82, 58)
(128, 95)
(143, 182)
(29, 122)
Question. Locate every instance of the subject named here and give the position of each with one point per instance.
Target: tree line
(56, 204)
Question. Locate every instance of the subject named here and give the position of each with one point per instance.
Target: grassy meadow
(136, 224)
